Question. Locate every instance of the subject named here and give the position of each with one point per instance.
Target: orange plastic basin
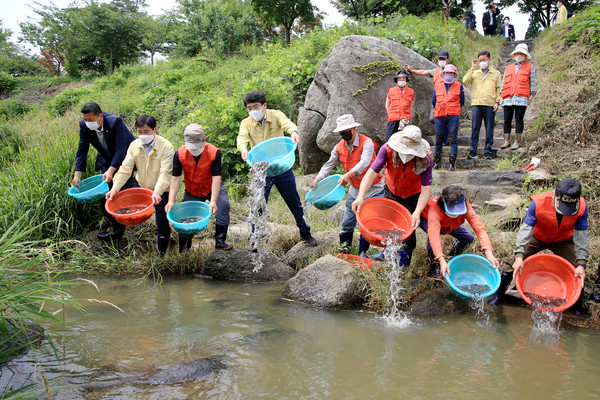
(379, 214)
(133, 197)
(549, 275)
(357, 261)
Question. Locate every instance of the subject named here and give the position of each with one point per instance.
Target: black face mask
(346, 135)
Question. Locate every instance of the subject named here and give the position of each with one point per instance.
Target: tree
(360, 9)
(14, 60)
(156, 36)
(541, 11)
(52, 61)
(285, 12)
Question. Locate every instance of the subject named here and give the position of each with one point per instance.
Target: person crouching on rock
(448, 98)
(356, 152)
(408, 177)
(445, 215)
(200, 164)
(398, 104)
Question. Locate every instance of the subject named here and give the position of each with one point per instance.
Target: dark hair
(508, 18)
(485, 53)
(450, 194)
(91, 107)
(255, 97)
(145, 119)
(469, 5)
(491, 6)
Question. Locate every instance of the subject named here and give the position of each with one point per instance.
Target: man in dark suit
(111, 138)
(489, 20)
(507, 30)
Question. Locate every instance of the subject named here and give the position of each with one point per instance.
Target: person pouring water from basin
(445, 215)
(200, 164)
(152, 155)
(408, 177)
(356, 152)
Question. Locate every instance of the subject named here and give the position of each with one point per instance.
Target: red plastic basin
(131, 198)
(549, 275)
(383, 214)
(357, 261)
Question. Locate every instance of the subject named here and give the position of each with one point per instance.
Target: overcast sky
(15, 11)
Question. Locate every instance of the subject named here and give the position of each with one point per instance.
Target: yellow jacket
(562, 14)
(485, 88)
(251, 131)
(153, 170)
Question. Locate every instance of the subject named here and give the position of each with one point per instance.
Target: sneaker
(472, 156)
(488, 157)
(309, 240)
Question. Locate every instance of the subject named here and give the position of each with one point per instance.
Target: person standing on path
(448, 98)
(398, 104)
(200, 164)
(486, 82)
(152, 156)
(518, 89)
(489, 22)
(260, 125)
(111, 138)
(562, 14)
(470, 18)
(507, 30)
(408, 178)
(356, 152)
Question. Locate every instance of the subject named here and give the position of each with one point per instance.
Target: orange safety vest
(516, 82)
(349, 160)
(447, 103)
(400, 103)
(546, 228)
(402, 181)
(197, 176)
(437, 76)
(447, 224)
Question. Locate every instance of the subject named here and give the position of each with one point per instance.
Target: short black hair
(450, 194)
(145, 119)
(485, 53)
(508, 18)
(91, 107)
(255, 97)
(491, 6)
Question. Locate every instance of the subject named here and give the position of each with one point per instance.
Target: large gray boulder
(236, 265)
(333, 92)
(329, 283)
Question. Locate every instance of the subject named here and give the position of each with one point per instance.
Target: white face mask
(483, 64)
(93, 125)
(505, 22)
(195, 152)
(519, 58)
(442, 63)
(401, 83)
(146, 139)
(405, 157)
(257, 115)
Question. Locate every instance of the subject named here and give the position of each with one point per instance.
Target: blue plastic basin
(326, 193)
(279, 152)
(90, 190)
(471, 269)
(189, 209)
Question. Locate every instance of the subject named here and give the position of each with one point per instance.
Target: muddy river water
(252, 344)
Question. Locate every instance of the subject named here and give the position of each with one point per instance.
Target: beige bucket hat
(523, 49)
(345, 122)
(409, 141)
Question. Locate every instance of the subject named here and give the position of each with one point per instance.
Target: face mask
(405, 157)
(346, 135)
(448, 78)
(519, 58)
(483, 64)
(452, 216)
(401, 83)
(257, 115)
(93, 126)
(196, 152)
(442, 63)
(505, 22)
(146, 139)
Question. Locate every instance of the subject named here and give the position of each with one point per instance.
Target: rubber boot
(162, 243)
(434, 266)
(345, 242)
(184, 244)
(220, 237)
(437, 161)
(451, 162)
(505, 280)
(405, 257)
(363, 247)
(506, 143)
(517, 142)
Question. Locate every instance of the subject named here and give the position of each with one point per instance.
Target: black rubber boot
(505, 280)
(437, 161)
(308, 239)
(363, 247)
(184, 244)
(220, 237)
(451, 162)
(345, 242)
(162, 243)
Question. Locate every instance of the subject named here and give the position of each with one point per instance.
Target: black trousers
(519, 114)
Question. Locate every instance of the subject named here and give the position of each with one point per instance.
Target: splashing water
(478, 304)
(545, 320)
(258, 217)
(393, 245)
(307, 208)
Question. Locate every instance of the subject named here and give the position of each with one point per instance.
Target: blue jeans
(461, 234)
(485, 113)
(349, 221)
(222, 217)
(286, 184)
(449, 122)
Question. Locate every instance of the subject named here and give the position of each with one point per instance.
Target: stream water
(270, 348)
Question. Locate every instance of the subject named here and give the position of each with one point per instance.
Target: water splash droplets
(258, 217)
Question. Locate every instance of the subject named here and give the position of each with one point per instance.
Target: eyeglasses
(254, 107)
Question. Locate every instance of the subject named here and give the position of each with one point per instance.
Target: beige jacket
(251, 131)
(485, 89)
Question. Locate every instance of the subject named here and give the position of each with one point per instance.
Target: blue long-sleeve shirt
(580, 225)
(462, 95)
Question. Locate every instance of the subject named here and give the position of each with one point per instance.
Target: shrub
(13, 107)
(68, 100)
(7, 83)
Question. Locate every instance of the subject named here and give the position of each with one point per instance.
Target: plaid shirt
(519, 100)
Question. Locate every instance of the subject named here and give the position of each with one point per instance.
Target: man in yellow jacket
(152, 155)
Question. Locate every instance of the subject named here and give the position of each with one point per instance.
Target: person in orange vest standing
(356, 152)
(200, 164)
(556, 220)
(518, 88)
(408, 178)
(398, 104)
(448, 98)
(445, 215)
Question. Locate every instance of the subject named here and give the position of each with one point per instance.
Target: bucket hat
(523, 49)
(452, 69)
(409, 141)
(345, 122)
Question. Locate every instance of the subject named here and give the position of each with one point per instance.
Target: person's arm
(387, 103)
(468, 78)
(215, 189)
(287, 125)
(166, 169)
(532, 83)
(462, 95)
(421, 203)
(498, 87)
(124, 172)
(433, 99)
(81, 156)
(484, 240)
(327, 167)
(365, 159)
(365, 185)
(175, 181)
(419, 72)
(243, 139)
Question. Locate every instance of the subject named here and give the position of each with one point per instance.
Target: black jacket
(490, 24)
(511, 31)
